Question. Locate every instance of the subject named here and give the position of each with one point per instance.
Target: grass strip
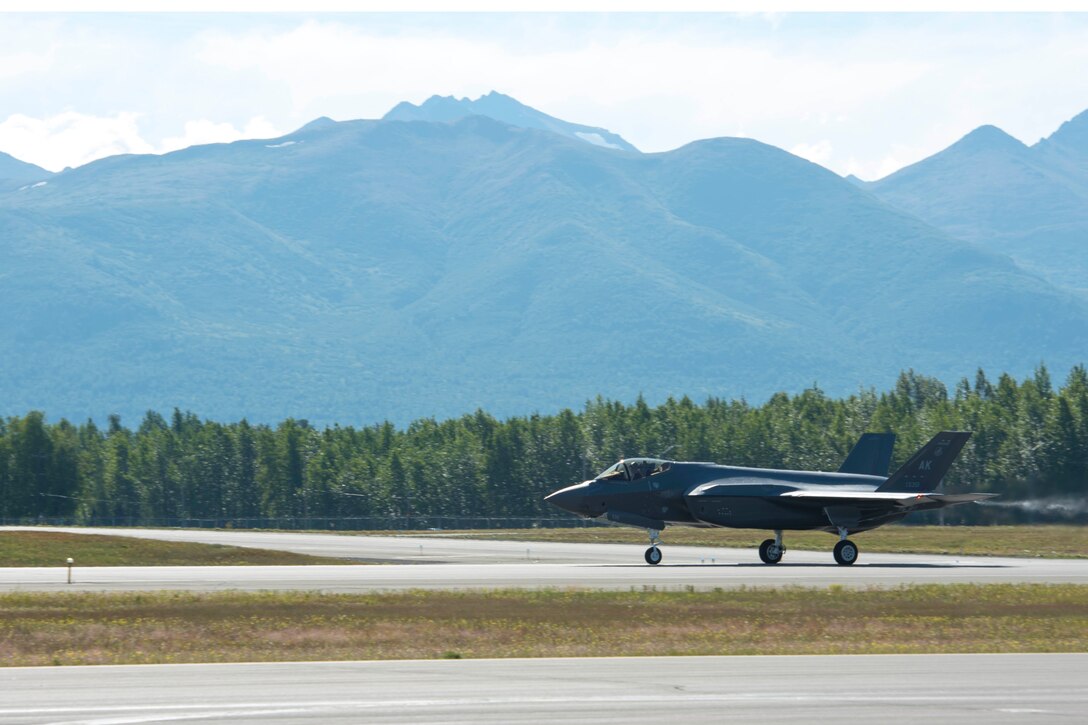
(83, 628)
(1067, 542)
(48, 548)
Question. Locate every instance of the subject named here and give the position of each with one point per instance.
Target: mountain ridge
(367, 270)
(16, 172)
(1071, 134)
(508, 110)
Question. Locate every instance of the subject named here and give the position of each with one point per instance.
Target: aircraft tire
(653, 556)
(846, 552)
(769, 553)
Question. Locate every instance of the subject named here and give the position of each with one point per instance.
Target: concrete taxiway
(450, 563)
(990, 688)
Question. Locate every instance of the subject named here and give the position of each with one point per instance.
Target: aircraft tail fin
(926, 468)
(870, 455)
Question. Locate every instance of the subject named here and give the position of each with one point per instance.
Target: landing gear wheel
(846, 552)
(770, 552)
(653, 556)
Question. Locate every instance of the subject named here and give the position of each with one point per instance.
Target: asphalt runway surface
(986, 688)
(449, 563)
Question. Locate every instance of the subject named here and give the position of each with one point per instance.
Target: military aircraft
(652, 493)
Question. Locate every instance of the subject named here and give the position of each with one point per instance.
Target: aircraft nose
(569, 499)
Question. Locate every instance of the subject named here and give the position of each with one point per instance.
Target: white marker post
(70, 562)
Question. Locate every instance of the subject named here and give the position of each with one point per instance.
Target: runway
(886, 688)
(526, 575)
(447, 563)
(436, 549)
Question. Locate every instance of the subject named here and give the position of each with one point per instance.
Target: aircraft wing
(905, 500)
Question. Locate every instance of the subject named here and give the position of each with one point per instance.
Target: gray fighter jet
(652, 493)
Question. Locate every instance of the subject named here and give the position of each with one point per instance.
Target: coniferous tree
(1030, 441)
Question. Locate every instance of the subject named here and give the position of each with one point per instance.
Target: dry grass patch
(38, 628)
(49, 548)
(1025, 541)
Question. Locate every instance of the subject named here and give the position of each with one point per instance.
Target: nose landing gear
(653, 554)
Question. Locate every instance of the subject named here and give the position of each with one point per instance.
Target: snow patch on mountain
(596, 139)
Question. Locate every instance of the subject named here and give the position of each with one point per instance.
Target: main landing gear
(846, 551)
(653, 554)
(771, 550)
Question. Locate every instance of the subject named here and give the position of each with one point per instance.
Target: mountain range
(441, 259)
(1029, 202)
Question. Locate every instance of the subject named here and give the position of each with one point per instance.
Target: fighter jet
(652, 493)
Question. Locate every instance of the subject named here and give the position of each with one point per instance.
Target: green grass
(1030, 541)
(83, 628)
(47, 548)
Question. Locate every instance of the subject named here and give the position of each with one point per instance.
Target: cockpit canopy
(632, 469)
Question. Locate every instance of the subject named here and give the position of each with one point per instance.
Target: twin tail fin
(924, 471)
(870, 455)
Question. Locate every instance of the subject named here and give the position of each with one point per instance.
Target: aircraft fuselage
(708, 494)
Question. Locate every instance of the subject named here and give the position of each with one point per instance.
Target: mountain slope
(988, 188)
(1065, 152)
(366, 270)
(14, 172)
(506, 109)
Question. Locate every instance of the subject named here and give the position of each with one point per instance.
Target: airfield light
(70, 562)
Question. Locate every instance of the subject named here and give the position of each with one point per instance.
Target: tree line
(1030, 445)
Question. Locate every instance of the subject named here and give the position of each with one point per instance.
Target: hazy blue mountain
(506, 109)
(365, 270)
(1066, 152)
(1071, 138)
(14, 172)
(1028, 202)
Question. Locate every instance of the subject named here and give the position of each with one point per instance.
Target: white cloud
(818, 153)
(74, 139)
(893, 162)
(20, 63)
(70, 138)
(732, 84)
(321, 61)
(204, 131)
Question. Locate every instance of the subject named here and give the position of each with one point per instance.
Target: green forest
(1030, 445)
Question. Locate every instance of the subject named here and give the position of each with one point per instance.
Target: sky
(861, 94)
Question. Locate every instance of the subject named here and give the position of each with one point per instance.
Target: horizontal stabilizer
(926, 468)
(870, 455)
(954, 498)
